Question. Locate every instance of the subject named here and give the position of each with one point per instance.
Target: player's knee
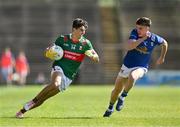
(133, 76)
(57, 83)
(56, 79)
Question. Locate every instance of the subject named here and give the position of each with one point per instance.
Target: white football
(57, 49)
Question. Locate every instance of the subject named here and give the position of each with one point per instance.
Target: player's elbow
(96, 59)
(130, 46)
(165, 44)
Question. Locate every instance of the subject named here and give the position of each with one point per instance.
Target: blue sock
(124, 94)
(111, 106)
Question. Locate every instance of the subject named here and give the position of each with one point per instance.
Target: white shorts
(124, 72)
(65, 82)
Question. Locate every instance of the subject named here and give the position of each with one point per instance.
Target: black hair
(143, 21)
(78, 22)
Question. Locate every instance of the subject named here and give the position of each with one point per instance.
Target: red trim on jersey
(84, 43)
(73, 56)
(65, 38)
(74, 41)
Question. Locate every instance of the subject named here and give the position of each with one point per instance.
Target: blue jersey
(140, 56)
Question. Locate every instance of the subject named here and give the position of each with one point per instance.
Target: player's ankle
(23, 110)
(29, 105)
(111, 106)
(123, 95)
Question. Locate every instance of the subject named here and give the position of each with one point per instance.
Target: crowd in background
(13, 69)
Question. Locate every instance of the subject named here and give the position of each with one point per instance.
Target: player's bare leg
(133, 77)
(119, 86)
(46, 93)
(51, 89)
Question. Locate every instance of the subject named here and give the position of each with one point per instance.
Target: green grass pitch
(83, 106)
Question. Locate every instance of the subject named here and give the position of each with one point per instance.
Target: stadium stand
(32, 25)
(165, 22)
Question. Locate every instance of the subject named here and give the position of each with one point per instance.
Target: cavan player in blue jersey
(135, 64)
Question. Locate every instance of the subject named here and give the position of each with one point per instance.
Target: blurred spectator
(40, 79)
(6, 64)
(22, 68)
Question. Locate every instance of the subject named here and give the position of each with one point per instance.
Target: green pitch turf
(82, 106)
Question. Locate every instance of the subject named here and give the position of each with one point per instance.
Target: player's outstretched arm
(92, 55)
(164, 47)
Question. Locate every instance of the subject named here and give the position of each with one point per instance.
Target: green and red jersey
(74, 53)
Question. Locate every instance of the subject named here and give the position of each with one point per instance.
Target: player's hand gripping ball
(55, 52)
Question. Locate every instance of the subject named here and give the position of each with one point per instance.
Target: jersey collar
(70, 36)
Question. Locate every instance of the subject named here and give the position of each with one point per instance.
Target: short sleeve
(159, 40)
(59, 41)
(133, 34)
(88, 45)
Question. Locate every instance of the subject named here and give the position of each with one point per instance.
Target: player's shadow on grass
(66, 117)
(11, 117)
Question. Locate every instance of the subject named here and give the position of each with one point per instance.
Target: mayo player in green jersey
(75, 47)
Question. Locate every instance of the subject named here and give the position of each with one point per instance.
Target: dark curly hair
(78, 22)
